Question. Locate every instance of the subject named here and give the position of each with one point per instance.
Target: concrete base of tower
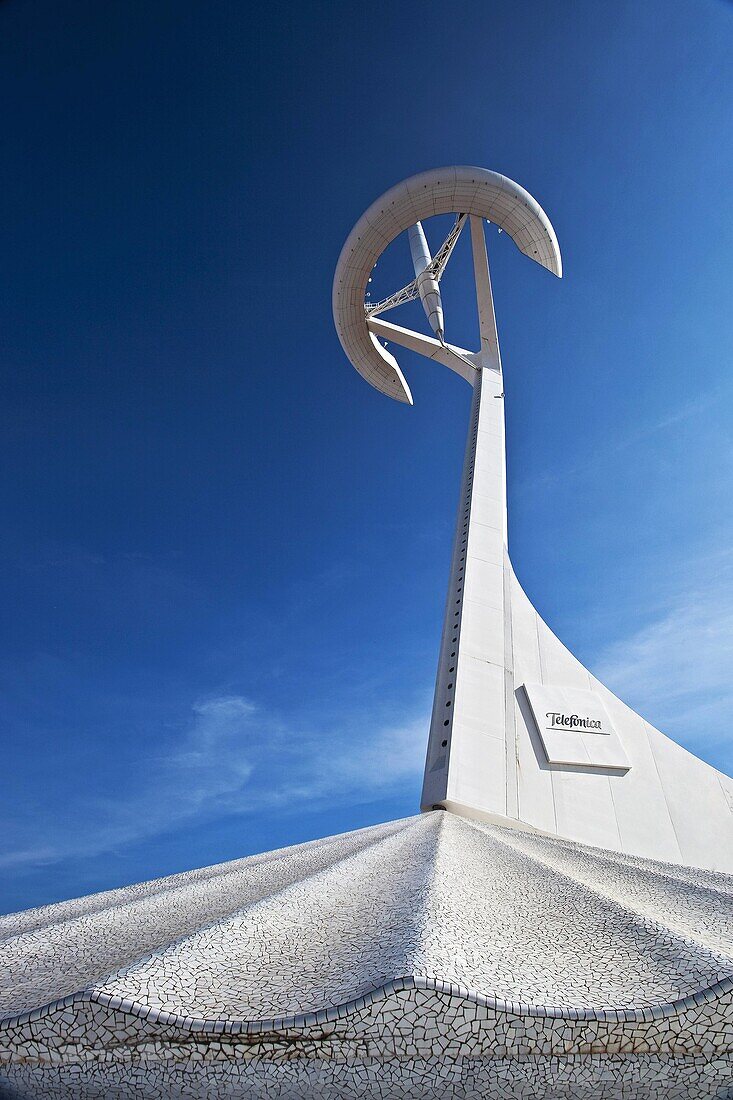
(430, 957)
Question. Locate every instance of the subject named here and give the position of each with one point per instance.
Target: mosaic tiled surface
(578, 1078)
(431, 956)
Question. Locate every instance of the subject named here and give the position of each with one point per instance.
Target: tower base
(429, 957)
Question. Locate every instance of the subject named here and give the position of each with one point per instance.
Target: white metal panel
(485, 543)
(701, 815)
(584, 808)
(642, 813)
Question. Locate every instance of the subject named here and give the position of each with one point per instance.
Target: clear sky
(223, 555)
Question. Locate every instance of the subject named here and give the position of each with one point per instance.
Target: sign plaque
(575, 728)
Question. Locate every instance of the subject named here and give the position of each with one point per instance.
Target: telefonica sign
(558, 720)
(575, 728)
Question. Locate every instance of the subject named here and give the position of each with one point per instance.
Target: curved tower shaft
(502, 673)
(521, 732)
(469, 758)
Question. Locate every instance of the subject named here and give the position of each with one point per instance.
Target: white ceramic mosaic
(433, 956)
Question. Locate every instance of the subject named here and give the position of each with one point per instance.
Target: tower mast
(521, 732)
(474, 679)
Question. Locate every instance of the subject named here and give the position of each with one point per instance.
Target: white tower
(520, 730)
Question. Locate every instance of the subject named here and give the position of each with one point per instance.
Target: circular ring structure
(457, 190)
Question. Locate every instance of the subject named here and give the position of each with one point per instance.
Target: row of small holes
(462, 559)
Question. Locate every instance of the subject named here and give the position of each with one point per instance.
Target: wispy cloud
(236, 758)
(677, 669)
(603, 455)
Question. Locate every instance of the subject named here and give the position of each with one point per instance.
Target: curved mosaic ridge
(373, 996)
(516, 921)
(411, 1044)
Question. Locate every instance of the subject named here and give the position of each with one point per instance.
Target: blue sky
(223, 556)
